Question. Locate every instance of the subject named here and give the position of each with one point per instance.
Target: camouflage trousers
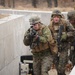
(63, 60)
(72, 53)
(42, 62)
(72, 57)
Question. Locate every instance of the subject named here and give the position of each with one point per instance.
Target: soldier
(71, 18)
(38, 37)
(59, 28)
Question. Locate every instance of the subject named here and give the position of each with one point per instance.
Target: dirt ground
(2, 16)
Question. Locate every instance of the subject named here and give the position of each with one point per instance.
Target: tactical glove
(64, 37)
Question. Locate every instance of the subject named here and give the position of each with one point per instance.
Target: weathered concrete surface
(11, 42)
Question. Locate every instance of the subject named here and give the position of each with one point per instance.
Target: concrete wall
(12, 31)
(45, 15)
(11, 43)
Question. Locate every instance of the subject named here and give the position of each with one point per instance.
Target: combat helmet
(34, 19)
(71, 15)
(56, 12)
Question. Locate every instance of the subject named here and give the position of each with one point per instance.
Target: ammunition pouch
(53, 47)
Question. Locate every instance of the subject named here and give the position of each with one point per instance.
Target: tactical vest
(41, 46)
(55, 27)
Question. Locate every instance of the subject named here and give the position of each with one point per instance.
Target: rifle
(61, 28)
(33, 34)
(58, 39)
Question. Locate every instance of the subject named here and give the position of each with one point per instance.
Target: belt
(43, 52)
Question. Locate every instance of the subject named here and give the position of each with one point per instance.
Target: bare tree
(2, 2)
(34, 2)
(73, 0)
(13, 3)
(10, 3)
(55, 3)
(50, 3)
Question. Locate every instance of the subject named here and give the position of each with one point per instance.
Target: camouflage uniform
(63, 54)
(42, 57)
(71, 18)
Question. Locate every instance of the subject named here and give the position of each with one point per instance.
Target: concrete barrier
(11, 44)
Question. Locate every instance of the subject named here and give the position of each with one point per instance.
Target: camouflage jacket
(45, 37)
(54, 27)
